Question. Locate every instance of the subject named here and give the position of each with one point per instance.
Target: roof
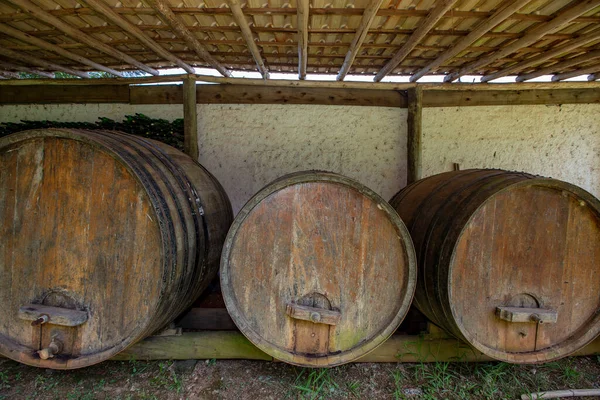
(380, 38)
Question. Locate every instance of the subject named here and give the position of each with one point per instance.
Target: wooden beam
(555, 52)
(560, 66)
(428, 24)
(302, 22)
(233, 345)
(9, 75)
(166, 14)
(311, 84)
(530, 37)
(106, 11)
(360, 36)
(13, 55)
(17, 34)
(66, 94)
(9, 66)
(583, 71)
(190, 118)
(481, 29)
(240, 20)
(78, 35)
(414, 170)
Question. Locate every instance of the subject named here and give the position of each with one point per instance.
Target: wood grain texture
(319, 240)
(415, 135)
(104, 223)
(491, 238)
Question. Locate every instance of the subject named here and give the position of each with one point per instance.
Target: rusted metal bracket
(522, 314)
(39, 314)
(313, 314)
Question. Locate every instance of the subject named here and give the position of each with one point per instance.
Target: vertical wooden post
(415, 135)
(190, 118)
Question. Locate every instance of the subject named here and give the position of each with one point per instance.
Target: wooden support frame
(432, 19)
(435, 346)
(9, 66)
(415, 135)
(190, 118)
(40, 63)
(584, 58)
(104, 10)
(42, 44)
(166, 14)
(520, 66)
(583, 71)
(361, 33)
(484, 27)
(530, 37)
(240, 20)
(80, 36)
(302, 20)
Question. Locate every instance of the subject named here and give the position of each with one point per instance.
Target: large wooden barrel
(317, 270)
(104, 239)
(508, 262)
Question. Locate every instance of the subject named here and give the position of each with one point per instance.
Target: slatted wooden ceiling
(373, 37)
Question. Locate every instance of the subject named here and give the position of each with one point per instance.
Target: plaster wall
(559, 141)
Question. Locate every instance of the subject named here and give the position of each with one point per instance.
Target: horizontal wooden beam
(233, 345)
(248, 94)
(311, 83)
(20, 68)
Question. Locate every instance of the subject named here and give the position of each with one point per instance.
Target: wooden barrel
(508, 262)
(104, 239)
(317, 270)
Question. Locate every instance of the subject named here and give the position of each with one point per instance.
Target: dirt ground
(230, 379)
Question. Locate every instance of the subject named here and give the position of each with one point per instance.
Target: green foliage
(162, 130)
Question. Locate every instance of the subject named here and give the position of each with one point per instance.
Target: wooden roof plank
(583, 71)
(20, 68)
(107, 11)
(17, 34)
(360, 36)
(428, 24)
(13, 55)
(163, 9)
(302, 22)
(481, 29)
(240, 20)
(530, 37)
(78, 35)
(554, 52)
(588, 56)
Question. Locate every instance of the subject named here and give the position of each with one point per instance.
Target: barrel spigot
(54, 348)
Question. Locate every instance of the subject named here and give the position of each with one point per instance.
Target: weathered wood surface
(240, 94)
(324, 241)
(104, 223)
(190, 118)
(492, 239)
(414, 136)
(233, 345)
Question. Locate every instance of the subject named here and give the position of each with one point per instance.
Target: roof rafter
(240, 20)
(560, 65)
(302, 22)
(571, 45)
(77, 34)
(428, 24)
(530, 37)
(10, 66)
(105, 10)
(13, 55)
(17, 34)
(583, 71)
(167, 15)
(481, 29)
(361, 34)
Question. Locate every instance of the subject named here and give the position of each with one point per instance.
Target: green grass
(315, 383)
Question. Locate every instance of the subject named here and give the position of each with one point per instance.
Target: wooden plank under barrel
(104, 239)
(317, 270)
(508, 262)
